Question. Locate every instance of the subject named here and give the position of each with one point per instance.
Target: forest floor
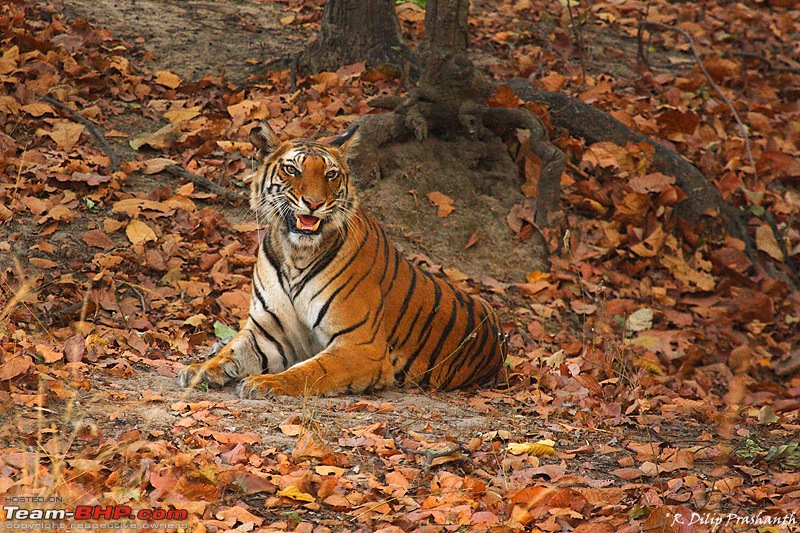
(651, 381)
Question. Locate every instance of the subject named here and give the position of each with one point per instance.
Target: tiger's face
(303, 186)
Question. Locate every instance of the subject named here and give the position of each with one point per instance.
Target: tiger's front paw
(215, 372)
(262, 386)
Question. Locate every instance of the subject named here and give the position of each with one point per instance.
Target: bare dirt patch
(196, 38)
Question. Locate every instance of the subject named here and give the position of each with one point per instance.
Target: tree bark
(449, 77)
(353, 31)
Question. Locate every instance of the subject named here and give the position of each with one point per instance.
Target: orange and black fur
(334, 306)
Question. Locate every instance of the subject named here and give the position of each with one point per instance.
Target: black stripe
(347, 330)
(262, 301)
(273, 340)
(367, 272)
(323, 311)
(349, 262)
(440, 345)
(412, 286)
(473, 349)
(425, 332)
(382, 236)
(467, 340)
(273, 261)
(259, 352)
(319, 264)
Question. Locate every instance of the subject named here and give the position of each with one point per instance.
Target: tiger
(334, 307)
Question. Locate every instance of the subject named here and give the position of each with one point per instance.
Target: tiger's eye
(289, 170)
(332, 174)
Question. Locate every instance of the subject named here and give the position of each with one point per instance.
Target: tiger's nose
(313, 204)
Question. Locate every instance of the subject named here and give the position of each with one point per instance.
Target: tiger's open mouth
(307, 224)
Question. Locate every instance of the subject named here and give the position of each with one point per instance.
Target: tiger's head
(303, 186)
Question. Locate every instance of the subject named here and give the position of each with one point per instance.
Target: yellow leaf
(37, 109)
(329, 470)
(180, 115)
(455, 275)
(542, 447)
(654, 367)
(195, 320)
(139, 232)
(533, 277)
(293, 492)
(167, 79)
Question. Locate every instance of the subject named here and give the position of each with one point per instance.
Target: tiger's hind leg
(233, 362)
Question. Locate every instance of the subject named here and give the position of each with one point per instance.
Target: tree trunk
(353, 31)
(449, 77)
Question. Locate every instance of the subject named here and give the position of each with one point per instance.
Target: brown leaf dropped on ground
(40, 262)
(766, 242)
(16, 366)
(504, 96)
(158, 140)
(167, 79)
(653, 182)
(98, 238)
(308, 445)
(139, 232)
(443, 202)
(65, 133)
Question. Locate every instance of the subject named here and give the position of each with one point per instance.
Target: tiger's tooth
(298, 224)
(315, 226)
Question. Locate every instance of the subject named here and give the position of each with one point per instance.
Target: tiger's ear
(348, 140)
(264, 139)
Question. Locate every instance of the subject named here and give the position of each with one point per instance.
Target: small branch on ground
(430, 455)
(767, 63)
(91, 126)
(648, 25)
(180, 172)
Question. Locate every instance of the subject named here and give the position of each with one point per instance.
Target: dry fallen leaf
(640, 320)
(98, 239)
(167, 79)
(766, 242)
(443, 202)
(65, 133)
(139, 232)
(293, 492)
(538, 448)
(160, 139)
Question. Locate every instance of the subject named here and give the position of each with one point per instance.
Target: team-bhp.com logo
(94, 512)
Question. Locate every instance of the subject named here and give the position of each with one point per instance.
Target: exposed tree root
(418, 115)
(582, 120)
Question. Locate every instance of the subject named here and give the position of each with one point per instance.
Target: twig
(664, 27)
(180, 172)
(430, 455)
(579, 41)
(767, 62)
(96, 133)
